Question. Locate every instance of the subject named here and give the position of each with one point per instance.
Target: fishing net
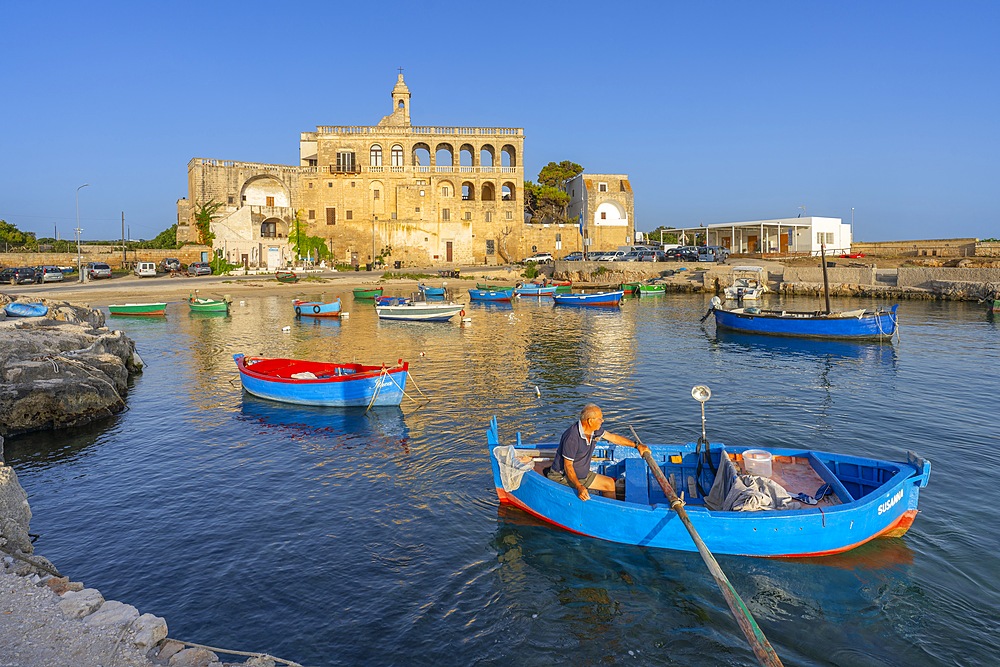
(512, 469)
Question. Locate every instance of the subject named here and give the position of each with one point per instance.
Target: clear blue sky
(718, 111)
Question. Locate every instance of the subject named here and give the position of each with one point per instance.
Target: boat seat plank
(636, 481)
(801, 474)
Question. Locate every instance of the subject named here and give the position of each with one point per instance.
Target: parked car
(21, 275)
(97, 270)
(681, 254)
(170, 264)
(145, 269)
(613, 255)
(199, 269)
(48, 274)
(652, 256)
(573, 257)
(632, 256)
(539, 258)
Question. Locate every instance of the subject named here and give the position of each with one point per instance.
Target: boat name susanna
(887, 505)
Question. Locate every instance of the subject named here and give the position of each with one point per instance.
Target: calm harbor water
(330, 537)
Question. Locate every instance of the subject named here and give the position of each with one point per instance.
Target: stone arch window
(444, 157)
(468, 191)
(446, 189)
(421, 157)
(466, 158)
(507, 191)
(487, 157)
(508, 157)
(396, 155)
(375, 156)
(264, 190)
(489, 191)
(269, 229)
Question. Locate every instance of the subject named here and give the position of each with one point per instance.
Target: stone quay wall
(110, 255)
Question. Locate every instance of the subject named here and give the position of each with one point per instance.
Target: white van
(145, 269)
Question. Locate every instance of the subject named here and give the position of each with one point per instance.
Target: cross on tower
(400, 70)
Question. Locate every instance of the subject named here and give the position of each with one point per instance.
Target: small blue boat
(600, 299)
(430, 291)
(317, 309)
(845, 500)
(25, 309)
(532, 289)
(319, 383)
(491, 295)
(854, 324)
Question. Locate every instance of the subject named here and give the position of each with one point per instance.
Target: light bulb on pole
(79, 256)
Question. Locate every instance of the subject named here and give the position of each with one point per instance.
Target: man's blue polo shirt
(575, 447)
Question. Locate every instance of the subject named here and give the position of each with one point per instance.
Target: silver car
(97, 270)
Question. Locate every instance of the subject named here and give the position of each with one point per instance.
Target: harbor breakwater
(905, 282)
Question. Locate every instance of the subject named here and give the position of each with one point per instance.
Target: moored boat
(316, 308)
(367, 292)
(604, 299)
(321, 383)
(487, 286)
(420, 311)
(286, 276)
(748, 283)
(491, 295)
(817, 503)
(138, 309)
(202, 305)
(429, 291)
(851, 324)
(26, 309)
(651, 289)
(534, 289)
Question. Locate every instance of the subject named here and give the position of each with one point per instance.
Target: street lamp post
(79, 257)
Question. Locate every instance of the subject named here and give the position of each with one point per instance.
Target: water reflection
(44, 449)
(327, 427)
(784, 346)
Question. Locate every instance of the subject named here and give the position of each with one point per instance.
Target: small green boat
(651, 290)
(494, 288)
(141, 309)
(564, 289)
(630, 288)
(286, 276)
(365, 293)
(200, 305)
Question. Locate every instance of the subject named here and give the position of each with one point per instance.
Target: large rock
(81, 603)
(15, 514)
(62, 370)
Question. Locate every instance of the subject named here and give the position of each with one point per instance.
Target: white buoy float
(285, 329)
(344, 316)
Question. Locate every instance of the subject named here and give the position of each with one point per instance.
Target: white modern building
(780, 235)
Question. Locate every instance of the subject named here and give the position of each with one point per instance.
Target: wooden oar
(766, 655)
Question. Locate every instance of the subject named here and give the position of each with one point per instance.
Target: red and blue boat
(491, 294)
(601, 299)
(322, 383)
(852, 325)
(838, 501)
(317, 308)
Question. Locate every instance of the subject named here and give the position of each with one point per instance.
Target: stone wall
(919, 248)
(108, 254)
(926, 277)
(839, 275)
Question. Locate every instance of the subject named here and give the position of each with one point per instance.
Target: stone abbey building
(419, 195)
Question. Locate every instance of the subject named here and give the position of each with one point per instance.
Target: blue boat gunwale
(887, 509)
(358, 371)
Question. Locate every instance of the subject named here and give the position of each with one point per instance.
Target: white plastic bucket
(757, 462)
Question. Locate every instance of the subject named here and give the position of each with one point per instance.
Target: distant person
(576, 448)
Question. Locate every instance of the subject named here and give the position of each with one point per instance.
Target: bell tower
(400, 104)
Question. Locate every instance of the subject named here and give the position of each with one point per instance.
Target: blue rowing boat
(853, 324)
(320, 383)
(532, 289)
(317, 308)
(601, 299)
(26, 309)
(428, 291)
(491, 294)
(838, 501)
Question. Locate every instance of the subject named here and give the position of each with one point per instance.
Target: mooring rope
(249, 654)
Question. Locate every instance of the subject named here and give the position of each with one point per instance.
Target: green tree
(304, 244)
(165, 240)
(557, 175)
(12, 237)
(203, 221)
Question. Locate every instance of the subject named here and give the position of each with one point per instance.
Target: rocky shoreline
(62, 370)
